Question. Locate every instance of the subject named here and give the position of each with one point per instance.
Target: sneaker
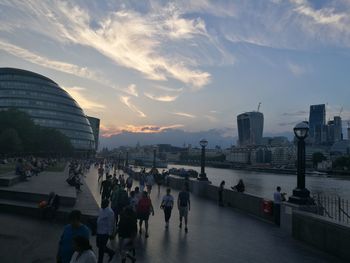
(186, 230)
(180, 226)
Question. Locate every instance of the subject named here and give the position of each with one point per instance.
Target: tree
(342, 162)
(10, 142)
(317, 157)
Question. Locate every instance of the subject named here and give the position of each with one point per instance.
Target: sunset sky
(192, 65)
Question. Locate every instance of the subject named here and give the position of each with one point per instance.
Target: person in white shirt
(149, 183)
(278, 198)
(83, 251)
(105, 229)
(167, 206)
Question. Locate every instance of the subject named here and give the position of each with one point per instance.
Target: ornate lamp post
(202, 176)
(301, 195)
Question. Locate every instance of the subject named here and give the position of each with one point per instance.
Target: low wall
(246, 202)
(322, 233)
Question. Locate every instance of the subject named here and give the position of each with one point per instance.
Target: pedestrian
(100, 173)
(142, 182)
(184, 205)
(105, 230)
(106, 188)
(149, 183)
(129, 182)
(83, 251)
(144, 209)
(221, 193)
(167, 206)
(133, 201)
(159, 180)
(278, 198)
(127, 230)
(73, 229)
(114, 201)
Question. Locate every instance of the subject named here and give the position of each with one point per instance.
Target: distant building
(250, 128)
(95, 126)
(349, 133)
(317, 119)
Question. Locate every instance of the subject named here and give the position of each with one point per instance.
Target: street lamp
(301, 195)
(203, 177)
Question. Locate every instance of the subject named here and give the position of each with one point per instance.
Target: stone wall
(320, 232)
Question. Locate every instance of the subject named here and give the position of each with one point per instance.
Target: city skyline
(190, 65)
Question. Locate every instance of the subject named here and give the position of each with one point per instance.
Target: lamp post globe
(301, 130)
(301, 195)
(202, 176)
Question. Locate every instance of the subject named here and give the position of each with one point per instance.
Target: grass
(5, 168)
(59, 167)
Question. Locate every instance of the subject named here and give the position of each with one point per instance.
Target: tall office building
(95, 126)
(338, 129)
(317, 121)
(250, 128)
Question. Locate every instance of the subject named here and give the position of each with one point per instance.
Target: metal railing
(333, 207)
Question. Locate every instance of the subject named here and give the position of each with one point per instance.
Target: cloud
(132, 90)
(48, 63)
(184, 114)
(83, 101)
(110, 131)
(163, 98)
(128, 38)
(295, 69)
(126, 100)
(300, 113)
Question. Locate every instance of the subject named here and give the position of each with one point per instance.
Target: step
(33, 197)
(9, 179)
(31, 209)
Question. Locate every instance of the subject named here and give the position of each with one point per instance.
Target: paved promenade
(216, 235)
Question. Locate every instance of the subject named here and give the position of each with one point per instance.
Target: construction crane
(341, 110)
(259, 105)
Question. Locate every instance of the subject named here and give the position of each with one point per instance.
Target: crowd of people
(32, 166)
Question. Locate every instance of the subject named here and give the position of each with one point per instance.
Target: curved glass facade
(47, 103)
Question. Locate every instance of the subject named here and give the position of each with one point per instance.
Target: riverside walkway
(216, 234)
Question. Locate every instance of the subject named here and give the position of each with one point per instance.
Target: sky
(150, 66)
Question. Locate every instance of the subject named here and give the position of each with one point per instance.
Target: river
(264, 184)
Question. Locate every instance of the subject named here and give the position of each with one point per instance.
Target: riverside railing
(333, 207)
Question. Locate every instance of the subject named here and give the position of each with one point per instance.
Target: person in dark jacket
(221, 193)
(240, 187)
(127, 231)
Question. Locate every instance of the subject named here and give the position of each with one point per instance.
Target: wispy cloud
(132, 90)
(83, 101)
(128, 38)
(126, 100)
(110, 131)
(296, 70)
(162, 98)
(184, 114)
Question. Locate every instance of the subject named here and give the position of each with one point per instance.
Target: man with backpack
(144, 209)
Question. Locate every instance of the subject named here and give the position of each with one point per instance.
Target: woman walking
(167, 206)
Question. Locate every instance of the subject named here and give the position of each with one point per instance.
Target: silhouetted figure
(221, 193)
(184, 205)
(83, 251)
(239, 187)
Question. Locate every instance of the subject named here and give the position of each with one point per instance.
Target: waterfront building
(47, 104)
(250, 128)
(317, 119)
(239, 155)
(95, 126)
(283, 155)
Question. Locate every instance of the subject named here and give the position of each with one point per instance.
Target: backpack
(144, 206)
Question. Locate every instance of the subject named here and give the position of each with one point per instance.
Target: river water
(264, 184)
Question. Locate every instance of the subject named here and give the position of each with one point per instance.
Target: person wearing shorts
(144, 209)
(184, 205)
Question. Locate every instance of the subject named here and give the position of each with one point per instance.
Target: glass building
(250, 128)
(47, 104)
(317, 119)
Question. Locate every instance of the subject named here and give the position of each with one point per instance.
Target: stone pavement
(216, 234)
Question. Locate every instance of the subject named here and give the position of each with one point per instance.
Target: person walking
(105, 229)
(127, 231)
(184, 206)
(129, 182)
(73, 229)
(167, 206)
(149, 183)
(144, 209)
(142, 182)
(83, 251)
(100, 173)
(221, 193)
(106, 188)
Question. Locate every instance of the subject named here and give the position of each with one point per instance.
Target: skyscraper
(95, 126)
(317, 120)
(250, 128)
